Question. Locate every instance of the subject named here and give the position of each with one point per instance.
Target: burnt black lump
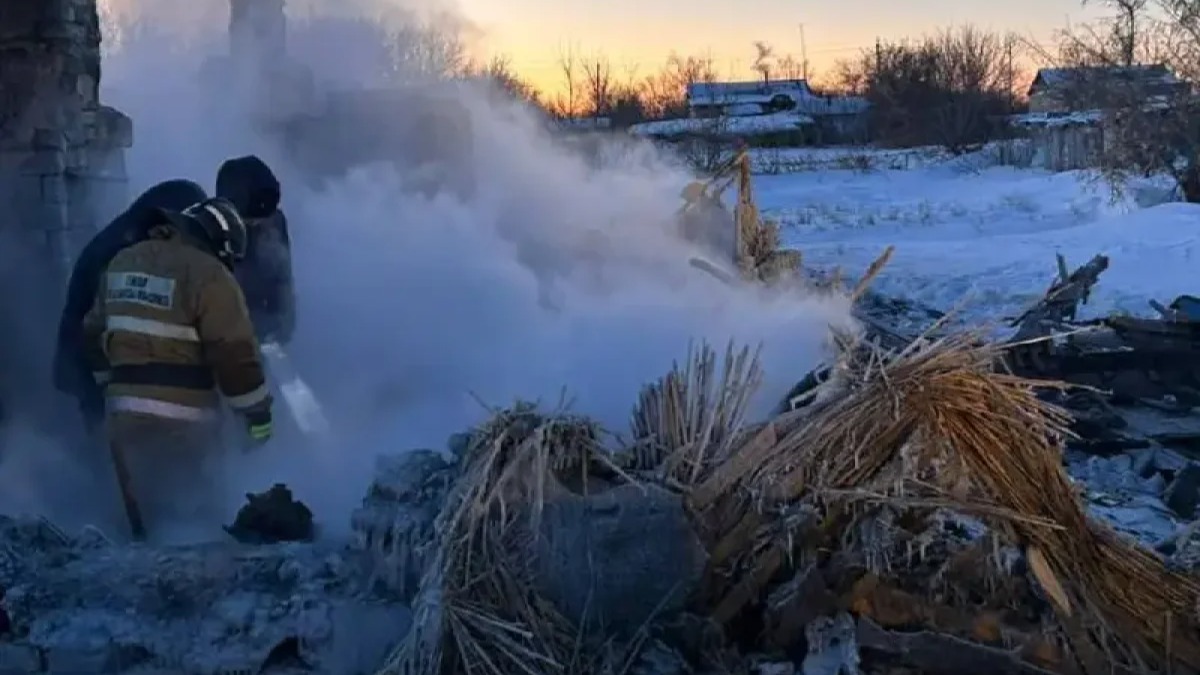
(271, 517)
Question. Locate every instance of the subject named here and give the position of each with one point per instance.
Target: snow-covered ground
(984, 239)
(793, 160)
(743, 125)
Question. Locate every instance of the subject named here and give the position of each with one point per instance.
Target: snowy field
(982, 239)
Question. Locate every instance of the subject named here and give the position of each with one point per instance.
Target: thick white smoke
(555, 274)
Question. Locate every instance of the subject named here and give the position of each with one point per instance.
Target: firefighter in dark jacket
(168, 336)
(266, 275)
(72, 375)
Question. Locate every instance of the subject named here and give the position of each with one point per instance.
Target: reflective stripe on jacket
(170, 329)
(70, 363)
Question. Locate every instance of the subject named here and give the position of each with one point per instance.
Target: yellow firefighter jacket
(169, 329)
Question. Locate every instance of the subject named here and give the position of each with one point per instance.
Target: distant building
(712, 99)
(584, 124)
(1069, 109)
(832, 118)
(1066, 90)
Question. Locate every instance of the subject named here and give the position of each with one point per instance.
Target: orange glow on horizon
(636, 37)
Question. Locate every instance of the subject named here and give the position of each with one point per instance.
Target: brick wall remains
(62, 164)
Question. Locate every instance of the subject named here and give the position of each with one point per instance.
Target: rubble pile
(81, 604)
(925, 493)
(1135, 434)
(1136, 442)
(914, 515)
(268, 600)
(542, 542)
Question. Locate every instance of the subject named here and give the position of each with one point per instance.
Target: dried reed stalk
(477, 611)
(873, 271)
(690, 418)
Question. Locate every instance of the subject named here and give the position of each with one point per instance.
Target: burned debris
(915, 516)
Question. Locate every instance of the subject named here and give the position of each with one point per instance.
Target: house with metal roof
(1068, 90)
(830, 117)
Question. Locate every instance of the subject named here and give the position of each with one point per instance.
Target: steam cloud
(555, 273)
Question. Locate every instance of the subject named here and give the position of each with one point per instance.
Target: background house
(1065, 90)
(826, 119)
(715, 99)
(1069, 109)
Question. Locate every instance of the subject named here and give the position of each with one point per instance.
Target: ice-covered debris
(657, 658)
(1183, 494)
(832, 646)
(1186, 550)
(1115, 474)
(27, 544)
(395, 522)
(1126, 490)
(1143, 517)
(205, 610)
(970, 527)
(1165, 460)
(601, 557)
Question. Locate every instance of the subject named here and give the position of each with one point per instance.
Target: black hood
(250, 184)
(171, 195)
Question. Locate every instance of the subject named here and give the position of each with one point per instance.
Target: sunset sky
(641, 33)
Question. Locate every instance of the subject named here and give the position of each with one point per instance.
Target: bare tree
(1130, 37)
(428, 48)
(1124, 27)
(764, 59)
(848, 77)
(499, 72)
(568, 103)
(598, 83)
(628, 108)
(947, 89)
(1123, 68)
(664, 94)
(791, 68)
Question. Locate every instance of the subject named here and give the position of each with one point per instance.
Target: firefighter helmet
(217, 223)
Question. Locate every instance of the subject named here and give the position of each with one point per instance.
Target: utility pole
(1008, 62)
(1011, 74)
(803, 54)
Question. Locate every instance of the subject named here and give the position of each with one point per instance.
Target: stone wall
(424, 129)
(257, 70)
(62, 164)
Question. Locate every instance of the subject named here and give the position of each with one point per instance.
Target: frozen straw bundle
(689, 420)
(478, 610)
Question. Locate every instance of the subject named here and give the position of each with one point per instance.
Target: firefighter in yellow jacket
(169, 335)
